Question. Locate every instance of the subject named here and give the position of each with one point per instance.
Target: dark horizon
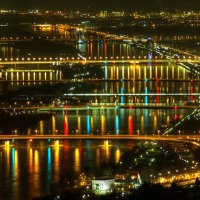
(92, 5)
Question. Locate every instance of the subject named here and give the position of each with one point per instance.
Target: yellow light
(56, 143)
(106, 142)
(7, 143)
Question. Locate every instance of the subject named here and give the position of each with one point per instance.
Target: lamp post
(179, 132)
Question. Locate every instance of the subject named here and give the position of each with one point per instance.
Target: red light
(176, 117)
(130, 123)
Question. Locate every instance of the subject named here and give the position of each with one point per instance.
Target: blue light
(13, 156)
(149, 56)
(13, 161)
(122, 97)
(149, 59)
(49, 157)
(88, 125)
(49, 163)
(116, 124)
(146, 97)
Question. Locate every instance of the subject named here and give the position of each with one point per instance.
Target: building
(102, 185)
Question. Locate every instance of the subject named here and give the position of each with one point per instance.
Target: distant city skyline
(90, 5)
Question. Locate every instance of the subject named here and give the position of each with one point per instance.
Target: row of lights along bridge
(93, 58)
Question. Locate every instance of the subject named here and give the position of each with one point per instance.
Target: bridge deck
(90, 61)
(102, 137)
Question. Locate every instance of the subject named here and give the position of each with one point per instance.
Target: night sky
(89, 5)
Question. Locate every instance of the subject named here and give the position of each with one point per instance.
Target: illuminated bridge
(95, 60)
(183, 138)
(96, 79)
(131, 94)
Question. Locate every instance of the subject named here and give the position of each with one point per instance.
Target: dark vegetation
(146, 192)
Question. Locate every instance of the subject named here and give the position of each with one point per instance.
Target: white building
(102, 186)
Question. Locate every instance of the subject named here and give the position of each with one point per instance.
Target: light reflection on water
(104, 121)
(29, 169)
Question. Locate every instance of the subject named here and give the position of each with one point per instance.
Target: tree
(197, 182)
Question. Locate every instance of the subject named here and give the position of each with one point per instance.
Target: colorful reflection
(122, 97)
(117, 155)
(34, 177)
(30, 160)
(109, 120)
(14, 158)
(57, 160)
(146, 97)
(155, 122)
(36, 161)
(117, 124)
(52, 163)
(88, 124)
(77, 160)
(15, 170)
(66, 128)
(41, 127)
(49, 163)
(130, 124)
(53, 124)
(7, 155)
(79, 124)
(92, 124)
(158, 96)
(102, 124)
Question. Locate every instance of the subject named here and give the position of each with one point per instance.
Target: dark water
(104, 121)
(30, 169)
